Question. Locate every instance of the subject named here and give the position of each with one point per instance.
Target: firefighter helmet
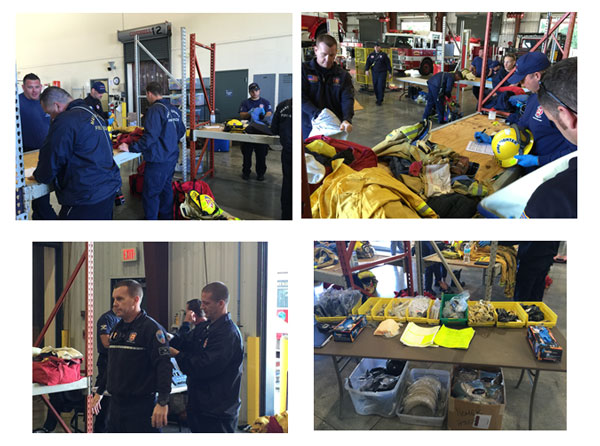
(234, 126)
(510, 142)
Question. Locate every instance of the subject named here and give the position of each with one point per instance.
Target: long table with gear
(422, 82)
(490, 347)
(217, 132)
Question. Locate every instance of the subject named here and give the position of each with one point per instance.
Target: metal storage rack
(549, 35)
(342, 274)
(86, 381)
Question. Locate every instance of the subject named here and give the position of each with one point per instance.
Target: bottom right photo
(459, 335)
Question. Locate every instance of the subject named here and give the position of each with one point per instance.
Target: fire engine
(314, 26)
(414, 51)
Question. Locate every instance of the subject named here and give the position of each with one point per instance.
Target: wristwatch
(163, 402)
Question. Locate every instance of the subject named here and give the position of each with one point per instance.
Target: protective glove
(111, 120)
(257, 114)
(482, 244)
(527, 160)
(483, 138)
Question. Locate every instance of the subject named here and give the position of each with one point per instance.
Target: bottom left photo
(159, 337)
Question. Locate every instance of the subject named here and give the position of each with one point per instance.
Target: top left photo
(153, 116)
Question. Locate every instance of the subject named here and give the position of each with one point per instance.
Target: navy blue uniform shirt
(330, 89)
(211, 356)
(378, 63)
(104, 326)
(138, 360)
(249, 104)
(282, 123)
(77, 157)
(35, 123)
(96, 106)
(163, 128)
(557, 197)
(447, 83)
(549, 144)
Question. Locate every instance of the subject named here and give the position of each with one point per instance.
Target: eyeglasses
(558, 101)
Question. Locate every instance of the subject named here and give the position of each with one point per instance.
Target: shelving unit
(86, 381)
(341, 274)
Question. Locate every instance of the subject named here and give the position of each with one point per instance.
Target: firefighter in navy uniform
(282, 126)
(77, 158)
(439, 88)
(325, 84)
(211, 356)
(379, 64)
(139, 367)
(163, 128)
(93, 100)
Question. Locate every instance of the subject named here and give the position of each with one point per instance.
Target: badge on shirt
(132, 336)
(539, 112)
(205, 342)
(160, 336)
(312, 78)
(336, 81)
(103, 327)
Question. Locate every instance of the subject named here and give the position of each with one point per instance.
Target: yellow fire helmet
(202, 207)
(510, 142)
(234, 126)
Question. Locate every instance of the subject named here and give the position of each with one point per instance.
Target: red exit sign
(129, 255)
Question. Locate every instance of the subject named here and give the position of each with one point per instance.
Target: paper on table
(476, 147)
(452, 338)
(415, 336)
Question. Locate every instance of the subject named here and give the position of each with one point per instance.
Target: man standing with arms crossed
(163, 128)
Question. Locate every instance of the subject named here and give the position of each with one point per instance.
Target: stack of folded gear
(423, 398)
(334, 302)
(325, 255)
(507, 316)
(440, 176)
(507, 257)
(480, 312)
(478, 386)
(127, 135)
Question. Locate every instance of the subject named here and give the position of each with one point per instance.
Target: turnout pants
(157, 195)
(261, 151)
(97, 211)
(379, 81)
(131, 415)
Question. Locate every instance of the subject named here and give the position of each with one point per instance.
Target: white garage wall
(74, 48)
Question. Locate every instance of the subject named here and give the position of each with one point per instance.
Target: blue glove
(484, 244)
(527, 160)
(257, 114)
(111, 120)
(483, 138)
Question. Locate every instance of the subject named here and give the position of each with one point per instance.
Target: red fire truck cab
(414, 51)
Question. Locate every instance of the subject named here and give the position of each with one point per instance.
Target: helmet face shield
(510, 142)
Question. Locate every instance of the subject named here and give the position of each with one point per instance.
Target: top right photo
(439, 115)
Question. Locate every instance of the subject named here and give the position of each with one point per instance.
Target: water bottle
(213, 118)
(467, 256)
(353, 259)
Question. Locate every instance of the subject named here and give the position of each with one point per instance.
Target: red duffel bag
(52, 371)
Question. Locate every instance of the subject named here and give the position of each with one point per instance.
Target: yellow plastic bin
(550, 317)
(420, 320)
(472, 304)
(515, 308)
(331, 319)
(379, 307)
(391, 305)
(367, 306)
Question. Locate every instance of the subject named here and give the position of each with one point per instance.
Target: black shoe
(260, 178)
(246, 176)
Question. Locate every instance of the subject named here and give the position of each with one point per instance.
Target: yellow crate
(361, 54)
(472, 303)
(367, 306)
(431, 321)
(326, 319)
(550, 317)
(391, 305)
(515, 308)
(380, 305)
(420, 320)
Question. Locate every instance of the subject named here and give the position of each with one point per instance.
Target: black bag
(257, 128)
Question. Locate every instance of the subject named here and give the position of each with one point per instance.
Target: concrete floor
(244, 199)
(370, 125)
(550, 405)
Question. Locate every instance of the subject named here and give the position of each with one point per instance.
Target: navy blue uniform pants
(379, 81)
(286, 184)
(531, 278)
(42, 209)
(261, 151)
(199, 423)
(96, 211)
(131, 415)
(433, 100)
(157, 195)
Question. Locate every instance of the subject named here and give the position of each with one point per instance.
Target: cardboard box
(543, 344)
(349, 328)
(467, 415)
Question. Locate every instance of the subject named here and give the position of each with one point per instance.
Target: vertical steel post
(213, 49)
(569, 37)
(184, 154)
(138, 101)
(89, 350)
(409, 270)
(488, 28)
(21, 207)
(419, 258)
(192, 104)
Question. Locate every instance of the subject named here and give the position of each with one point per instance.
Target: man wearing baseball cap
(549, 144)
(93, 99)
(257, 109)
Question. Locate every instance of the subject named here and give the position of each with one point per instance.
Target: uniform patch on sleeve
(163, 351)
(160, 336)
(132, 336)
(312, 78)
(103, 327)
